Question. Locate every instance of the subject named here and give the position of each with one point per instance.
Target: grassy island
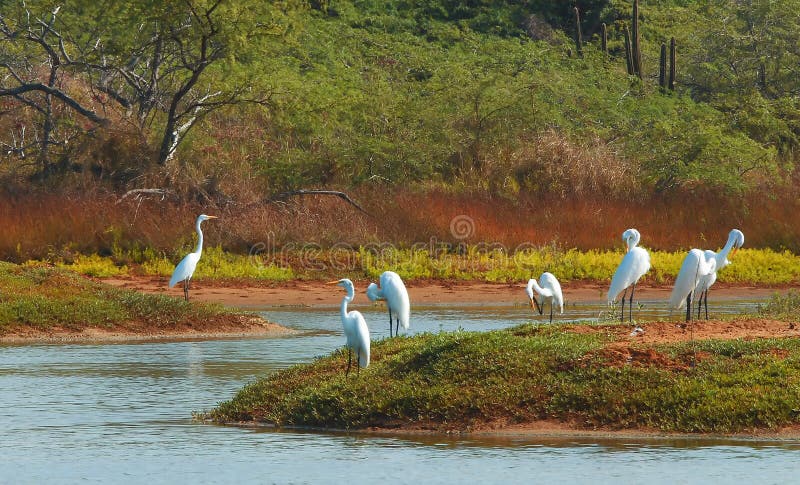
(40, 302)
(697, 380)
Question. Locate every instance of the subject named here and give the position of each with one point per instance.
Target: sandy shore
(312, 293)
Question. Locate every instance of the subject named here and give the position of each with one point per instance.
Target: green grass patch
(45, 296)
(465, 379)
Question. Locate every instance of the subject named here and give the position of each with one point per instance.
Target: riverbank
(315, 293)
(40, 303)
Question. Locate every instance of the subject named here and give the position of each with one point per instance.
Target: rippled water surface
(118, 413)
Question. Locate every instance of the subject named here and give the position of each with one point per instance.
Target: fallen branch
(336, 193)
(139, 192)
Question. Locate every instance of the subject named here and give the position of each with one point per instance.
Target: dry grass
(50, 225)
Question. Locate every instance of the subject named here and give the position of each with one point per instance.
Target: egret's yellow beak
(212, 217)
(734, 251)
(532, 303)
(332, 282)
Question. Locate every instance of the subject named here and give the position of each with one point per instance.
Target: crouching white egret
(695, 267)
(185, 269)
(634, 265)
(735, 241)
(394, 292)
(355, 327)
(549, 289)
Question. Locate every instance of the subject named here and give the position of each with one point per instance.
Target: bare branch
(285, 195)
(58, 94)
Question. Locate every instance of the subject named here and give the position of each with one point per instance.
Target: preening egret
(735, 241)
(695, 267)
(549, 289)
(355, 327)
(185, 269)
(394, 292)
(634, 265)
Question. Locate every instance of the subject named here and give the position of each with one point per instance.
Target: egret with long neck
(355, 327)
(634, 265)
(185, 269)
(735, 241)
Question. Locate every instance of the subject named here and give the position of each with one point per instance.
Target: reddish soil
(317, 293)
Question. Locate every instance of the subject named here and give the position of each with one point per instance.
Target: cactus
(636, 48)
(672, 64)
(628, 51)
(578, 35)
(662, 68)
(604, 39)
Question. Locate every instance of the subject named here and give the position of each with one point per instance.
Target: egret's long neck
(541, 290)
(347, 299)
(199, 248)
(722, 255)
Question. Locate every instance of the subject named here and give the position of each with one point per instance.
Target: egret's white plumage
(695, 266)
(735, 241)
(185, 269)
(634, 265)
(355, 327)
(394, 292)
(549, 289)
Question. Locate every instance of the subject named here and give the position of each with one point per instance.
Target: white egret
(735, 241)
(549, 289)
(355, 327)
(185, 269)
(634, 265)
(695, 267)
(393, 290)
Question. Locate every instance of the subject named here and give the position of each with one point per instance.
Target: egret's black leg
(349, 355)
(397, 328)
(622, 315)
(699, 305)
(390, 321)
(689, 307)
(630, 304)
(706, 304)
(551, 311)
(186, 289)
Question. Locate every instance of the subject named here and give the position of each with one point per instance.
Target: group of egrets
(697, 274)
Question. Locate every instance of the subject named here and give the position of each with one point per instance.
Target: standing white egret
(393, 290)
(634, 265)
(185, 269)
(735, 241)
(355, 327)
(549, 289)
(695, 267)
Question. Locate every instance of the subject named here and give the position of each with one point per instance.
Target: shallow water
(120, 413)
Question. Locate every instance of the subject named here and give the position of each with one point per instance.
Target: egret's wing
(686, 280)
(361, 338)
(396, 296)
(185, 269)
(549, 281)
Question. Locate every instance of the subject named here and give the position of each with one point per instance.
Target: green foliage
(400, 92)
(782, 306)
(477, 262)
(46, 297)
(527, 373)
(95, 266)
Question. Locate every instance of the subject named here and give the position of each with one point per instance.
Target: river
(121, 413)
